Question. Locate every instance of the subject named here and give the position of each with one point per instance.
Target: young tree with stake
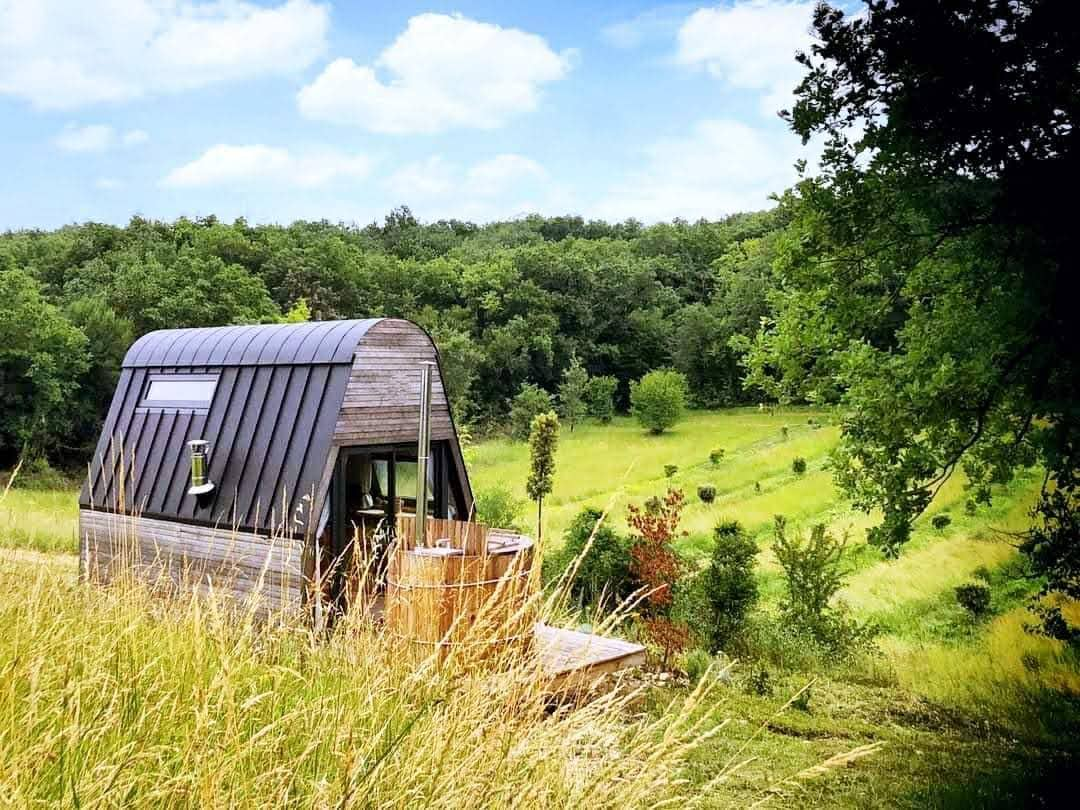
(543, 440)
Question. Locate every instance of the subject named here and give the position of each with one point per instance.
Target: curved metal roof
(278, 392)
(279, 344)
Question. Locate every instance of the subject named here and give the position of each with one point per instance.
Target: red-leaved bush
(655, 566)
(653, 561)
(670, 636)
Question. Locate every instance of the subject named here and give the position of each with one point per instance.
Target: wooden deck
(572, 659)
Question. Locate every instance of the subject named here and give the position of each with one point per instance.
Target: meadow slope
(971, 714)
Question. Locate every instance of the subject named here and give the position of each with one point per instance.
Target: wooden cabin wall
(180, 556)
(382, 398)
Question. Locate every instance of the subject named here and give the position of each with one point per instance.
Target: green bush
(658, 399)
(983, 573)
(784, 433)
(695, 663)
(530, 402)
(670, 470)
(801, 701)
(760, 682)
(497, 507)
(706, 493)
(716, 456)
(798, 465)
(939, 522)
(730, 584)
(813, 576)
(974, 597)
(600, 397)
(37, 474)
(605, 568)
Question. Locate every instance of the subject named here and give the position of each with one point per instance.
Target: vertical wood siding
(382, 399)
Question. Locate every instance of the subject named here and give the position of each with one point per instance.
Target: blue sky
(289, 109)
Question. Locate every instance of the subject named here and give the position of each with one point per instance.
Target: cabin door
(373, 486)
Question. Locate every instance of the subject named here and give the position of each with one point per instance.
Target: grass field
(969, 713)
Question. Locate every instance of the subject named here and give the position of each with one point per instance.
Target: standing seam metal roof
(270, 424)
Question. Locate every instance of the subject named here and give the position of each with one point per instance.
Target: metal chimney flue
(200, 483)
(423, 453)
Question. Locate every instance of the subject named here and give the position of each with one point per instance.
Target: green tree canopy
(42, 356)
(928, 278)
(658, 399)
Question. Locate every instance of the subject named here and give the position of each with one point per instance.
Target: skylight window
(180, 391)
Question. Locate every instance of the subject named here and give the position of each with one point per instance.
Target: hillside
(976, 698)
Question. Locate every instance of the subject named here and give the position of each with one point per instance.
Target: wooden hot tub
(468, 592)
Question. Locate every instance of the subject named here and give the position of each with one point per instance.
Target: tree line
(511, 305)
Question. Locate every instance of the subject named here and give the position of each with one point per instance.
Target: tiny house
(228, 452)
(260, 461)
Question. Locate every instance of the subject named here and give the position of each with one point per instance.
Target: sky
(314, 109)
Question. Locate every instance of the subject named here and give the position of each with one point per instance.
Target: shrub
(696, 663)
(669, 636)
(798, 465)
(670, 470)
(767, 637)
(974, 597)
(658, 399)
(760, 682)
(983, 573)
(730, 585)
(530, 402)
(691, 606)
(812, 578)
(757, 487)
(654, 504)
(801, 701)
(496, 506)
(939, 522)
(600, 397)
(36, 473)
(572, 390)
(784, 433)
(603, 571)
(655, 566)
(716, 456)
(707, 493)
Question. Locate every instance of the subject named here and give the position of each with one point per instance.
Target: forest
(507, 303)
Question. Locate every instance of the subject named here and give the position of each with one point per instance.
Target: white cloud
(90, 138)
(499, 187)
(135, 137)
(435, 177)
(108, 184)
(721, 167)
(61, 54)
(750, 45)
(652, 24)
(96, 138)
(260, 166)
(502, 173)
(432, 177)
(441, 72)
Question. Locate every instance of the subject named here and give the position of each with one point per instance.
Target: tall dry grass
(125, 696)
